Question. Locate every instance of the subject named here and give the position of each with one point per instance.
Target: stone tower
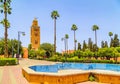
(35, 35)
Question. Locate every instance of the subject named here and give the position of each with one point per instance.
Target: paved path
(13, 74)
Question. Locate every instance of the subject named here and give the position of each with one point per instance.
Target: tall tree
(102, 44)
(63, 39)
(54, 15)
(74, 28)
(12, 46)
(115, 41)
(90, 44)
(79, 46)
(66, 37)
(84, 46)
(6, 9)
(111, 42)
(106, 44)
(95, 48)
(95, 28)
(49, 48)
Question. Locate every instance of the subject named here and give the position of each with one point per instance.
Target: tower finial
(35, 18)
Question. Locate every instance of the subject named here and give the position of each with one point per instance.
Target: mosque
(34, 37)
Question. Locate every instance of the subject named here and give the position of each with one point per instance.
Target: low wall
(54, 79)
(105, 78)
(102, 76)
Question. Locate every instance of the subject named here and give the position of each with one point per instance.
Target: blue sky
(83, 13)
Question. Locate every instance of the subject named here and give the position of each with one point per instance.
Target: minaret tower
(35, 35)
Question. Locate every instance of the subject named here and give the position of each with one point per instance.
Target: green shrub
(101, 61)
(91, 77)
(62, 59)
(2, 62)
(8, 61)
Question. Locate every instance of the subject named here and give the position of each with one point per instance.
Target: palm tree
(95, 28)
(66, 37)
(111, 42)
(63, 39)
(5, 8)
(54, 15)
(110, 34)
(74, 28)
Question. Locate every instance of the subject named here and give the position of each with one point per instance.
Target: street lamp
(23, 33)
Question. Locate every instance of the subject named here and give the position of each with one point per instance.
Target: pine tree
(79, 46)
(102, 44)
(84, 46)
(90, 44)
(106, 44)
(115, 41)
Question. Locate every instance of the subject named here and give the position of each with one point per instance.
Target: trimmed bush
(8, 61)
(102, 61)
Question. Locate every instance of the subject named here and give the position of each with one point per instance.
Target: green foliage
(79, 53)
(118, 49)
(95, 48)
(54, 58)
(74, 27)
(90, 44)
(12, 46)
(54, 14)
(110, 34)
(8, 61)
(92, 77)
(84, 46)
(104, 44)
(5, 9)
(79, 46)
(106, 52)
(40, 53)
(95, 27)
(32, 54)
(101, 61)
(89, 54)
(59, 54)
(7, 23)
(115, 41)
(47, 47)
(29, 47)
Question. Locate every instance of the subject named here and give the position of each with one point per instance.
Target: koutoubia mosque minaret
(35, 35)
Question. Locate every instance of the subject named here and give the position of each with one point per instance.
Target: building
(35, 35)
(68, 52)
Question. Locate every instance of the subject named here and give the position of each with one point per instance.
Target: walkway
(13, 74)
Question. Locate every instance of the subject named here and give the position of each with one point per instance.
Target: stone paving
(13, 74)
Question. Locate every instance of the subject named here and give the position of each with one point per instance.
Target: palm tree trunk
(95, 37)
(5, 20)
(67, 45)
(54, 35)
(74, 42)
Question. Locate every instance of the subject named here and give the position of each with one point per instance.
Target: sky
(83, 13)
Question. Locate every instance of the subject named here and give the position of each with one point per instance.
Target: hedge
(8, 61)
(81, 60)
